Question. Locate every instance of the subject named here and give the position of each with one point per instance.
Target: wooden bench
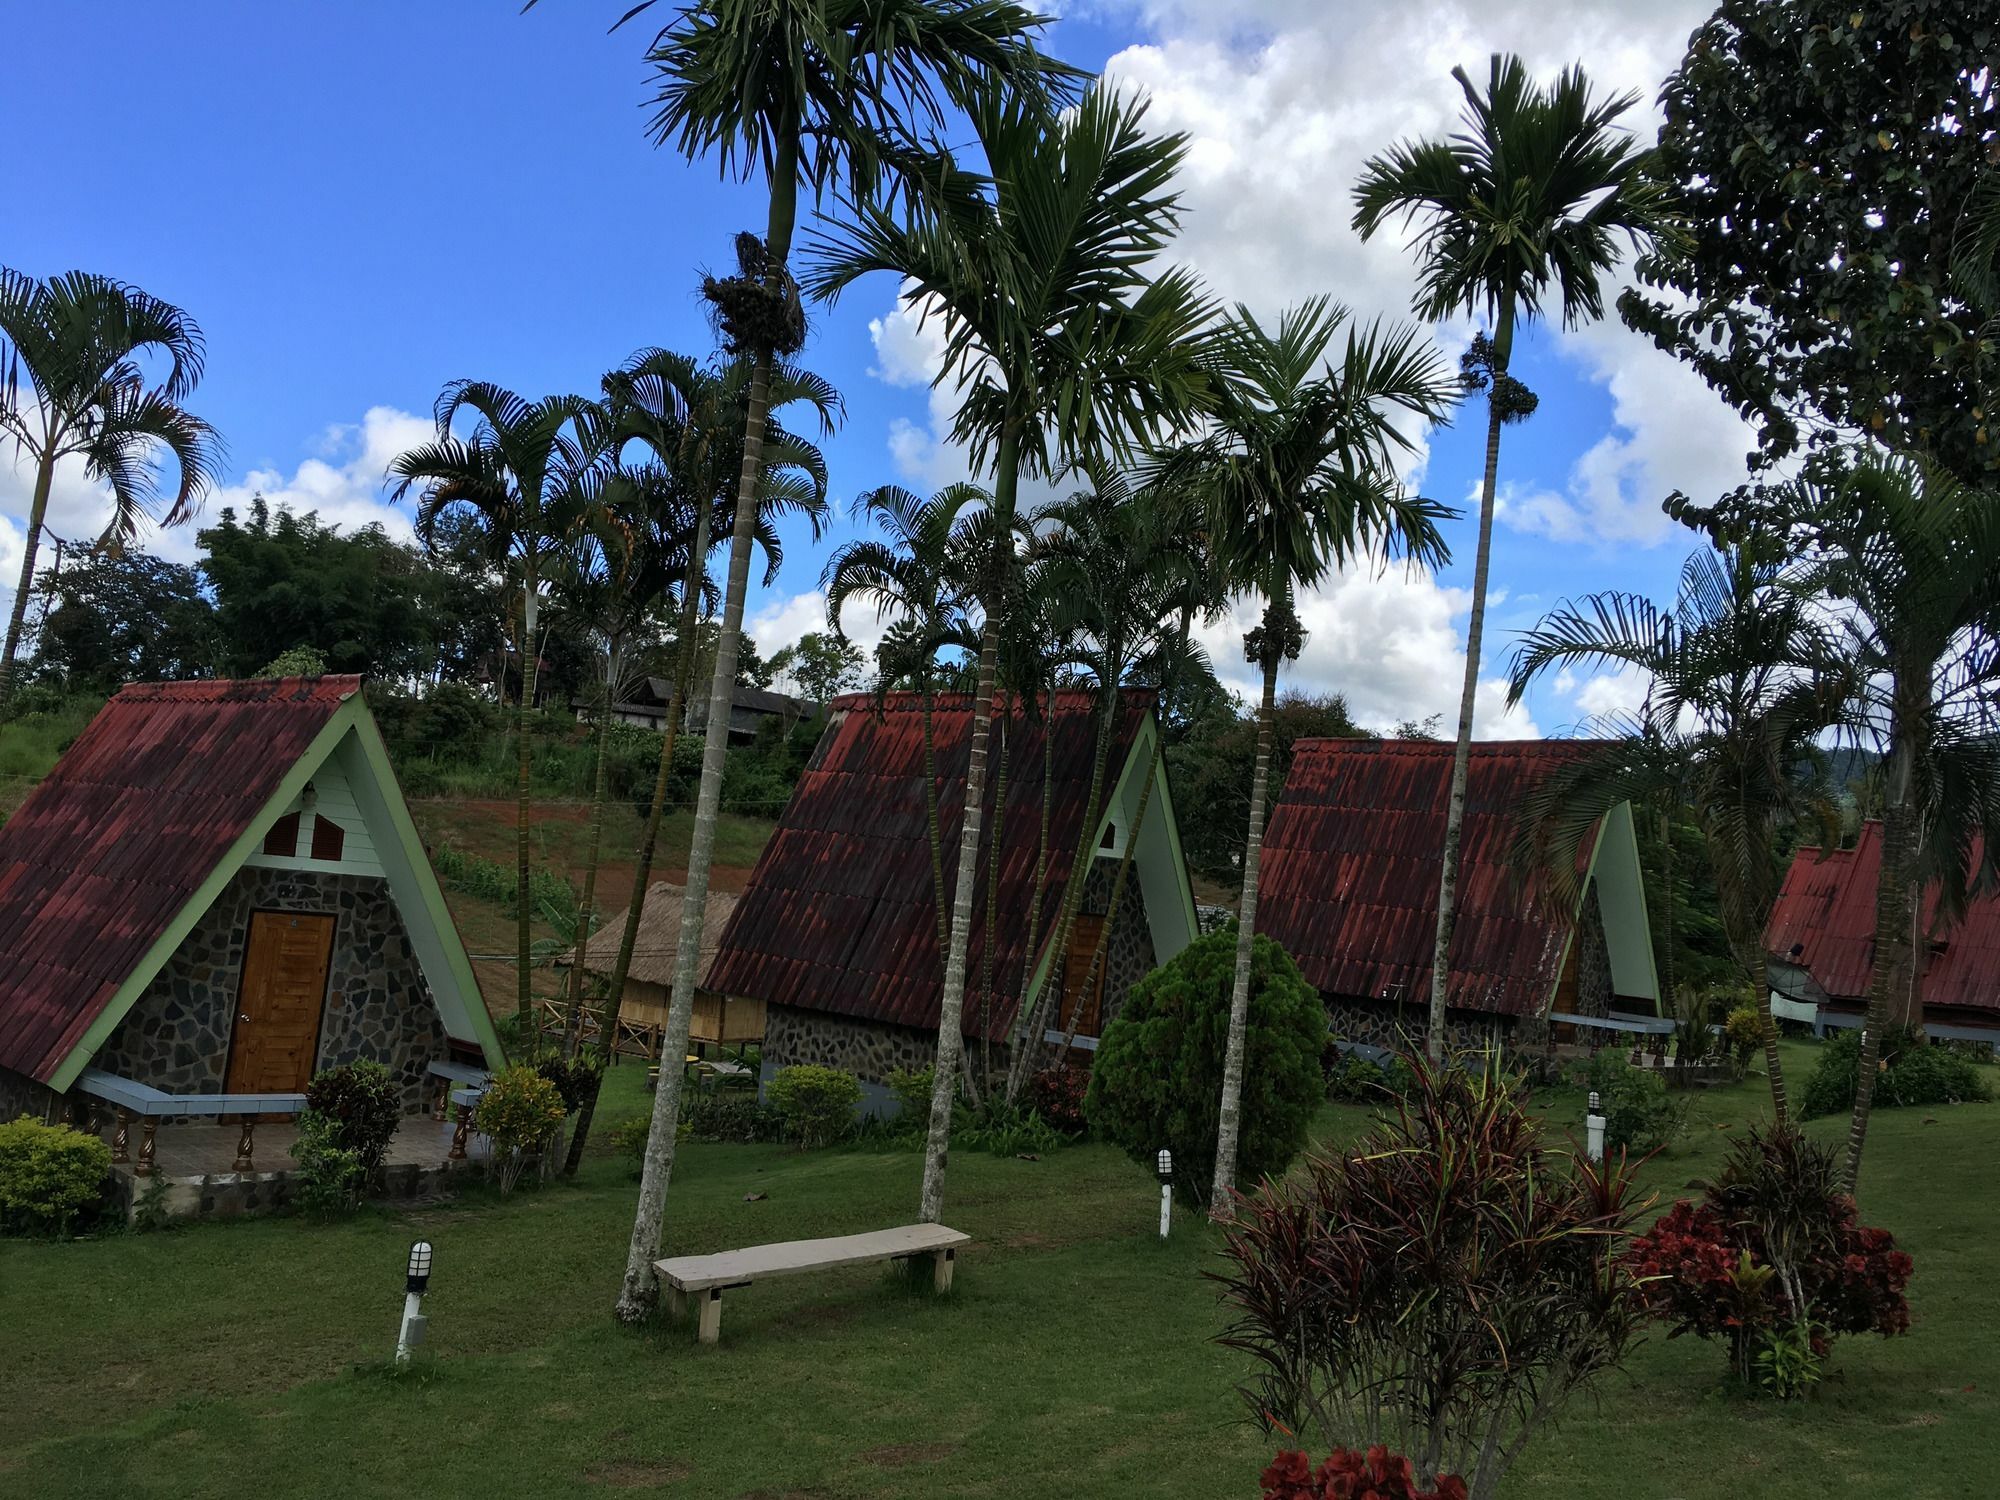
(707, 1277)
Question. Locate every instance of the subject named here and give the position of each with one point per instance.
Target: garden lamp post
(1166, 1191)
(415, 1283)
(1593, 1124)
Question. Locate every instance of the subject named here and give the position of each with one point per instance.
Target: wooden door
(1083, 935)
(278, 1006)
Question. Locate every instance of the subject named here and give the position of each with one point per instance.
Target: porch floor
(201, 1148)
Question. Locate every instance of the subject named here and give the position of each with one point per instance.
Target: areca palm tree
(1520, 213)
(1296, 475)
(1741, 680)
(1909, 561)
(1064, 350)
(523, 469)
(77, 341)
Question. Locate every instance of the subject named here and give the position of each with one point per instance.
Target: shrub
(817, 1104)
(1743, 1034)
(1056, 1094)
(628, 1139)
(1157, 1077)
(1638, 1114)
(364, 1107)
(330, 1176)
(1006, 1132)
(48, 1175)
(1356, 1080)
(1913, 1073)
(735, 1116)
(519, 1113)
(912, 1088)
(1350, 1474)
(1447, 1282)
(1772, 1259)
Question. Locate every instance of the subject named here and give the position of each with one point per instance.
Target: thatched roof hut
(659, 935)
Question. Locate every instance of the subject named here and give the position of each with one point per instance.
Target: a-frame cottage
(1351, 865)
(836, 934)
(217, 891)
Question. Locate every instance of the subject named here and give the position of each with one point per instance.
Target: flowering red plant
(1057, 1096)
(1350, 1474)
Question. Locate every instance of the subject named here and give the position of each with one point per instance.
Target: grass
(1074, 1357)
(30, 744)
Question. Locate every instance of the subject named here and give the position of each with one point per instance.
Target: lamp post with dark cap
(1166, 1191)
(416, 1282)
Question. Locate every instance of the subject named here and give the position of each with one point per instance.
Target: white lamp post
(1593, 1124)
(415, 1283)
(1166, 1191)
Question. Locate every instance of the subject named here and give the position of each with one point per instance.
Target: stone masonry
(176, 1037)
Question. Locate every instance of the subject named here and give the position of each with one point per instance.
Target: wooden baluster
(441, 1105)
(459, 1135)
(143, 1167)
(244, 1143)
(121, 1137)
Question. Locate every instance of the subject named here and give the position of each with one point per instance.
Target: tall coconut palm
(522, 470)
(1296, 473)
(1741, 680)
(1064, 349)
(821, 94)
(1520, 213)
(1909, 561)
(77, 341)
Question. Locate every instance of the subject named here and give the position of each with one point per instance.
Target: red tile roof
(838, 915)
(1827, 908)
(1351, 863)
(103, 854)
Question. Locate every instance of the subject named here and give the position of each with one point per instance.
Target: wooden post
(121, 1137)
(441, 1105)
(677, 1302)
(244, 1142)
(710, 1329)
(143, 1167)
(941, 1268)
(457, 1152)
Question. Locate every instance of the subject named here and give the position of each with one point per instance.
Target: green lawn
(1073, 1358)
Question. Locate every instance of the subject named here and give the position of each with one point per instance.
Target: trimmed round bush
(48, 1174)
(1157, 1077)
(519, 1112)
(362, 1104)
(1913, 1073)
(817, 1104)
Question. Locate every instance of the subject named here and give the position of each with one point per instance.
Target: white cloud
(780, 621)
(1391, 642)
(346, 485)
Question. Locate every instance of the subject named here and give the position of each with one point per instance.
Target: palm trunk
(641, 1290)
(931, 817)
(524, 766)
(586, 907)
(38, 509)
(1894, 979)
(1014, 1077)
(1461, 755)
(643, 874)
(1221, 1204)
(951, 1003)
(996, 847)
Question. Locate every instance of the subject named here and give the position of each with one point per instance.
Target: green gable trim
(1617, 830)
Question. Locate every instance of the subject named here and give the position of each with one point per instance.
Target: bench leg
(677, 1302)
(941, 1265)
(709, 1330)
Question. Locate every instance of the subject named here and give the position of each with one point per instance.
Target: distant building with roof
(1349, 886)
(836, 934)
(646, 705)
(1821, 946)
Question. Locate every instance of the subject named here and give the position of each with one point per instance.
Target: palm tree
(917, 580)
(1296, 476)
(1909, 562)
(1525, 207)
(1741, 680)
(1065, 350)
(523, 471)
(78, 339)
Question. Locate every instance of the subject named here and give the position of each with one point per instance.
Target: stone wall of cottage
(1128, 956)
(176, 1038)
(1593, 960)
(21, 1095)
(1402, 1028)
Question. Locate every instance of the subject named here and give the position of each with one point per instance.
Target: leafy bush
(1356, 1080)
(1447, 1282)
(732, 1115)
(1743, 1033)
(1157, 1077)
(1913, 1073)
(817, 1104)
(912, 1088)
(519, 1113)
(1771, 1258)
(1056, 1094)
(1005, 1132)
(1638, 1114)
(1350, 1474)
(48, 1175)
(364, 1107)
(330, 1176)
(628, 1139)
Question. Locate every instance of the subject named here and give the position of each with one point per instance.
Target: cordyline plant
(1443, 1287)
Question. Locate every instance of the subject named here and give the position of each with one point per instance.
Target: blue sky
(362, 201)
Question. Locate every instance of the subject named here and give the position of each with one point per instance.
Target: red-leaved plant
(1774, 1245)
(1350, 1474)
(1056, 1094)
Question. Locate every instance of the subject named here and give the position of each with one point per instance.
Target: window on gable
(328, 838)
(283, 839)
